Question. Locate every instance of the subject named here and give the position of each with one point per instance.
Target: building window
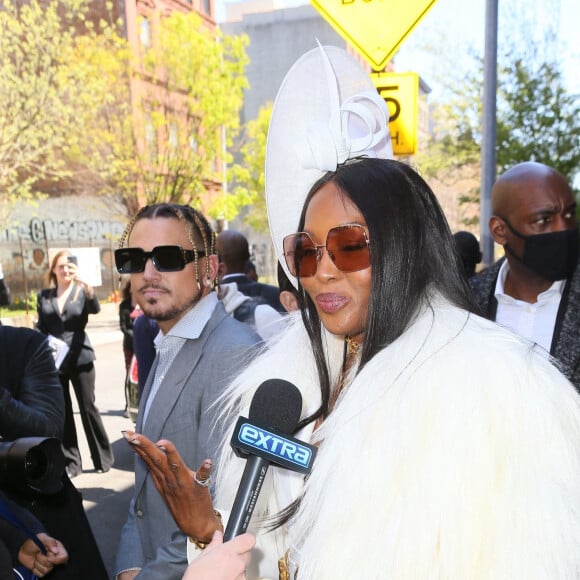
(193, 142)
(206, 7)
(150, 137)
(173, 136)
(145, 32)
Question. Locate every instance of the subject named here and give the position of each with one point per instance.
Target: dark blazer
(565, 346)
(12, 536)
(144, 332)
(70, 324)
(31, 398)
(269, 294)
(126, 323)
(32, 405)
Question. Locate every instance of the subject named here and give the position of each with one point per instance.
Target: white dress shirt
(533, 321)
(168, 345)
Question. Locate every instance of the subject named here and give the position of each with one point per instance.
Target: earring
(207, 282)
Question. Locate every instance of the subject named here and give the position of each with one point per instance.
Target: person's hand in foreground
(31, 557)
(185, 492)
(221, 561)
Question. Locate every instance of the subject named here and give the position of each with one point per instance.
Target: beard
(156, 310)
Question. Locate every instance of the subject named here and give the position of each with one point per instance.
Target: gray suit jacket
(183, 413)
(565, 346)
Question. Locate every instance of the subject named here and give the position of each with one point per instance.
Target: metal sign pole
(488, 152)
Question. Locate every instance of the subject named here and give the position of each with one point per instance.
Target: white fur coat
(453, 455)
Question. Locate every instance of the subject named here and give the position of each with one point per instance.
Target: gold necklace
(351, 352)
(352, 346)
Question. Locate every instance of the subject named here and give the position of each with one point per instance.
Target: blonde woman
(63, 312)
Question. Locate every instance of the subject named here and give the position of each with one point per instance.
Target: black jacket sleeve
(31, 397)
(12, 536)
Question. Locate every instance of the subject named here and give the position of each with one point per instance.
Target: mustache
(157, 287)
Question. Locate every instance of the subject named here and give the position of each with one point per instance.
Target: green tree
(248, 176)
(537, 119)
(448, 155)
(449, 158)
(38, 93)
(167, 116)
(79, 112)
(104, 156)
(190, 83)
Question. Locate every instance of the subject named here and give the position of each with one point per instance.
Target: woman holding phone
(63, 312)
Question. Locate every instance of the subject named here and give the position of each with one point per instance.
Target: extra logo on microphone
(251, 439)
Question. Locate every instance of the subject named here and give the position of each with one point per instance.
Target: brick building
(31, 233)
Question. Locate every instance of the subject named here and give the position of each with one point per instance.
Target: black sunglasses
(164, 258)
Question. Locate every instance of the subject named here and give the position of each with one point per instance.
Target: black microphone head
(276, 404)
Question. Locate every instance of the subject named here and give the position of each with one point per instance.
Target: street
(107, 495)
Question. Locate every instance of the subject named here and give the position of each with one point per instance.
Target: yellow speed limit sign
(401, 93)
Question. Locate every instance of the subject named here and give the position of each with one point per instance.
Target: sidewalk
(106, 496)
(103, 327)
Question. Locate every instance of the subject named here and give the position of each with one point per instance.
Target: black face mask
(552, 256)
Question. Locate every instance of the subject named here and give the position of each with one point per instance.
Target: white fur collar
(453, 455)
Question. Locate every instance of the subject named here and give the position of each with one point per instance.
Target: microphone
(265, 439)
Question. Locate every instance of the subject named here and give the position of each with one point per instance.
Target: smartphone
(73, 260)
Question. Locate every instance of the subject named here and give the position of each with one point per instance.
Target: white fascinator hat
(327, 111)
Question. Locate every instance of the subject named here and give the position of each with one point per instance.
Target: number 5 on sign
(401, 93)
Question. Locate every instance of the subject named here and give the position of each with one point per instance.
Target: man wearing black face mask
(535, 289)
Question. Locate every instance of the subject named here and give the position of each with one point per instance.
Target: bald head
(529, 200)
(524, 180)
(233, 249)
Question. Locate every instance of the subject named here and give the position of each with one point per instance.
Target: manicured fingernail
(162, 448)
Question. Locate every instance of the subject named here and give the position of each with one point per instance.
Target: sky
(464, 22)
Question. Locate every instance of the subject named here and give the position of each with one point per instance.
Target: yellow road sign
(401, 93)
(374, 27)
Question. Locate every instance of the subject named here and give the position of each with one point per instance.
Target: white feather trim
(454, 455)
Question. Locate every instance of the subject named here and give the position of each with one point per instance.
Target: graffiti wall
(32, 234)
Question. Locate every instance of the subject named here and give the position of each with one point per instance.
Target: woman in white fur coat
(448, 448)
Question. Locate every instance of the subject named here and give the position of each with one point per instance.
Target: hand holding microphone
(222, 561)
(264, 439)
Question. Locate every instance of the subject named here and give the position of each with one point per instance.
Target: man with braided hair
(169, 251)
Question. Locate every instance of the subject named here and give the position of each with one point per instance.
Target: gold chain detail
(353, 346)
(284, 567)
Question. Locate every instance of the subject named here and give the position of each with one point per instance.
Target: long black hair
(412, 253)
